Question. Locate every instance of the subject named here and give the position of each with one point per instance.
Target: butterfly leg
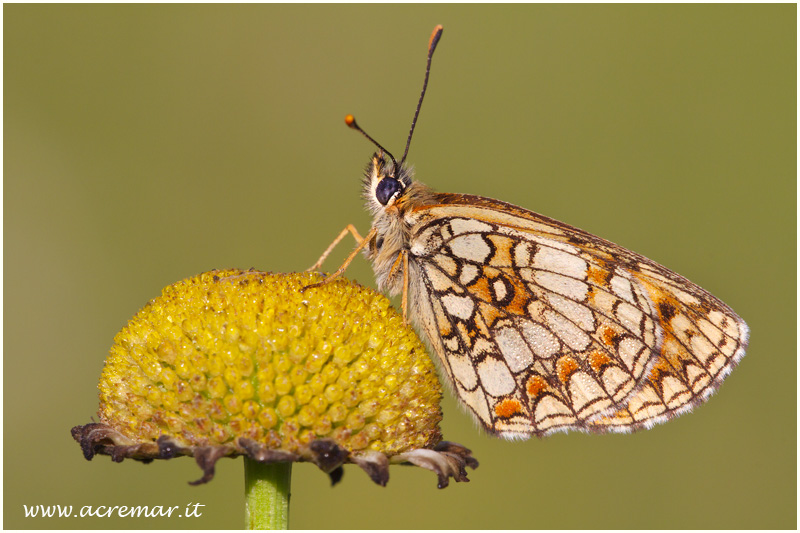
(405, 287)
(402, 257)
(349, 229)
(347, 261)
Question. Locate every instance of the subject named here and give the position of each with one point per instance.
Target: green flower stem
(266, 489)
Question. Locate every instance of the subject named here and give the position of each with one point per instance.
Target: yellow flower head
(235, 362)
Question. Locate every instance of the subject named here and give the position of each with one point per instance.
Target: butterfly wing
(542, 327)
(702, 341)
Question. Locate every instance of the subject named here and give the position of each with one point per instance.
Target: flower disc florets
(236, 362)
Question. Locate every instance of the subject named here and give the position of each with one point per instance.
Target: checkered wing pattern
(542, 327)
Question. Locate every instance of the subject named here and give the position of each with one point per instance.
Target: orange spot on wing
(565, 367)
(481, 289)
(467, 333)
(489, 313)
(519, 304)
(598, 275)
(598, 360)
(508, 408)
(660, 368)
(609, 336)
(442, 321)
(502, 252)
(536, 386)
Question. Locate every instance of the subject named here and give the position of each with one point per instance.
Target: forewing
(542, 327)
(703, 340)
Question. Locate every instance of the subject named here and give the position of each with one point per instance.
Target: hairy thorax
(392, 236)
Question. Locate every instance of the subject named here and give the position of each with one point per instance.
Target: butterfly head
(385, 183)
(391, 195)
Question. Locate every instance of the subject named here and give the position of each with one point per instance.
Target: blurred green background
(144, 144)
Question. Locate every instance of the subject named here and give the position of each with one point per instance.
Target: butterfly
(538, 326)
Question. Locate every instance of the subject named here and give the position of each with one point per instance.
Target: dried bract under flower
(235, 362)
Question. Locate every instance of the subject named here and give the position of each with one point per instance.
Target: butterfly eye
(387, 188)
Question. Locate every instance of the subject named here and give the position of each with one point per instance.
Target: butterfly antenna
(350, 120)
(435, 36)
